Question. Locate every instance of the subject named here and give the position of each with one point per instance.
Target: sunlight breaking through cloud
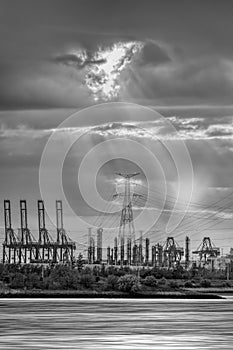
(102, 78)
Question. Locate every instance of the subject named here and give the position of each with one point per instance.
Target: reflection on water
(116, 324)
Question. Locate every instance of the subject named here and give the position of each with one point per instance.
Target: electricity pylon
(126, 228)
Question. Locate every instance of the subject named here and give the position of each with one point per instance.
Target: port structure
(126, 236)
(187, 252)
(18, 248)
(65, 246)
(46, 248)
(99, 245)
(206, 250)
(28, 248)
(157, 255)
(172, 253)
(10, 244)
(91, 247)
(23, 248)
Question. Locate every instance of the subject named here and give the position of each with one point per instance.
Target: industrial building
(21, 247)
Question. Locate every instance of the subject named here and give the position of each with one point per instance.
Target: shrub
(168, 274)
(103, 271)
(224, 284)
(17, 280)
(87, 280)
(62, 277)
(150, 281)
(87, 270)
(144, 272)
(157, 273)
(80, 262)
(129, 284)
(2, 270)
(51, 284)
(110, 270)
(228, 284)
(97, 278)
(120, 272)
(178, 273)
(101, 286)
(174, 285)
(2, 285)
(112, 282)
(162, 281)
(205, 283)
(33, 281)
(188, 284)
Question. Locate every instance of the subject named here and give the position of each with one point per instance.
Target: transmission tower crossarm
(127, 176)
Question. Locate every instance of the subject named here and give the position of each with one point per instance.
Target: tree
(2, 270)
(87, 280)
(62, 277)
(17, 280)
(33, 281)
(129, 283)
(150, 281)
(205, 283)
(188, 284)
(112, 282)
(80, 262)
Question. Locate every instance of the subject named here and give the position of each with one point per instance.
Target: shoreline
(110, 295)
(212, 290)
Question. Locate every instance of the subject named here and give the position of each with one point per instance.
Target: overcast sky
(175, 57)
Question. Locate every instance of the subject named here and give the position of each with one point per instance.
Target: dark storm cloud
(76, 61)
(153, 54)
(33, 33)
(198, 81)
(42, 85)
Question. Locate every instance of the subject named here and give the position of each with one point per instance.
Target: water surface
(38, 324)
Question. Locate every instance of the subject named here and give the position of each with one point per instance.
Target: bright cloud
(103, 78)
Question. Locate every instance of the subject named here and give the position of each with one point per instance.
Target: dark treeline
(107, 278)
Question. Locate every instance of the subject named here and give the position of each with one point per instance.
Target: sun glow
(102, 78)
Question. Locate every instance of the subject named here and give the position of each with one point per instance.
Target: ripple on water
(116, 324)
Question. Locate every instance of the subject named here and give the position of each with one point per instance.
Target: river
(46, 324)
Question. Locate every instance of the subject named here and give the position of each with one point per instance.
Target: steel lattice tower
(126, 229)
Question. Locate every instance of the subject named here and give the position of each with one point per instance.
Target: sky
(108, 61)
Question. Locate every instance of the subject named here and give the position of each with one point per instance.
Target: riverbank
(211, 290)
(63, 281)
(87, 294)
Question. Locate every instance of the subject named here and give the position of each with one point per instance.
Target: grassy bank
(215, 290)
(13, 293)
(108, 282)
